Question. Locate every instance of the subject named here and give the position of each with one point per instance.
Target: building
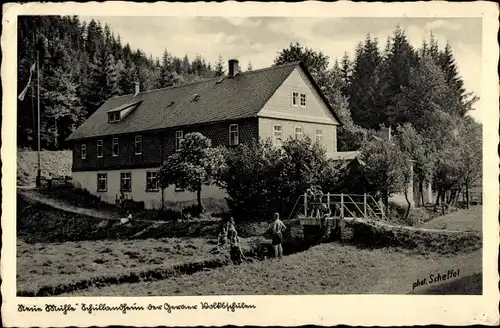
(416, 197)
(120, 147)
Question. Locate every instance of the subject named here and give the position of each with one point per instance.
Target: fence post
(364, 205)
(342, 205)
(328, 200)
(305, 205)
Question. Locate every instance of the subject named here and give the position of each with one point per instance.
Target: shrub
(260, 179)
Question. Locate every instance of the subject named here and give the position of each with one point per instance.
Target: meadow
(65, 253)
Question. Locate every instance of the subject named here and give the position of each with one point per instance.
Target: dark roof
(230, 99)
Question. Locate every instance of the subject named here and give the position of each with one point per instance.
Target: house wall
(152, 199)
(151, 146)
(280, 106)
(329, 142)
(315, 115)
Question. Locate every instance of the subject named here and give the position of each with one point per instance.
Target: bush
(260, 179)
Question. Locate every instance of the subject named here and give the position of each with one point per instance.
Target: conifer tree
(219, 67)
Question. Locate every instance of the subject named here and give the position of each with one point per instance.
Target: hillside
(53, 164)
(464, 220)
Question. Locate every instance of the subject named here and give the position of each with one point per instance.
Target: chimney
(386, 133)
(137, 88)
(233, 67)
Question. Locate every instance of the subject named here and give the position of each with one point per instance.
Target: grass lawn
(324, 269)
(50, 265)
(464, 220)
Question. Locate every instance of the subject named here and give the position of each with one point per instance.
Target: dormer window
(119, 113)
(113, 117)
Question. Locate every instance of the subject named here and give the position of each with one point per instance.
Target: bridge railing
(351, 205)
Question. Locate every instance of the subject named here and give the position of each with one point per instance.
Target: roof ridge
(214, 78)
(271, 67)
(167, 88)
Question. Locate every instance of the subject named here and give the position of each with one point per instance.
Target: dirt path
(64, 206)
(392, 226)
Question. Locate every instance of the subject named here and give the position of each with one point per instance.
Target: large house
(120, 147)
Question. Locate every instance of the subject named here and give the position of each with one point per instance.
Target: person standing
(277, 229)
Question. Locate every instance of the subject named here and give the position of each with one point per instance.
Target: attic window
(119, 113)
(113, 117)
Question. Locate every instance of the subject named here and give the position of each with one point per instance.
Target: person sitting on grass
(222, 238)
(277, 229)
(235, 250)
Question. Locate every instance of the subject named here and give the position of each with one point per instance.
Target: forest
(81, 66)
(417, 91)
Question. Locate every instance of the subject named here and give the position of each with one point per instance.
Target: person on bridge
(277, 229)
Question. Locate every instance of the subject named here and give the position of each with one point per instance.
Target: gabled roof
(209, 101)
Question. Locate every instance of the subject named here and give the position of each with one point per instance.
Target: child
(277, 229)
(235, 251)
(222, 238)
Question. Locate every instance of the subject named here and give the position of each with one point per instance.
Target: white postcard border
(379, 310)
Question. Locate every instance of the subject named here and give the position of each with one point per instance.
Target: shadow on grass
(468, 285)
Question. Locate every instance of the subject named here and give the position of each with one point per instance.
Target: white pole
(305, 204)
(39, 171)
(342, 205)
(364, 204)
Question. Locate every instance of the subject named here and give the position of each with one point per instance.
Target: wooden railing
(351, 205)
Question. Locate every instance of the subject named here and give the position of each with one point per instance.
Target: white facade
(152, 199)
(297, 108)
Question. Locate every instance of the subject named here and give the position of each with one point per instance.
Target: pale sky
(259, 39)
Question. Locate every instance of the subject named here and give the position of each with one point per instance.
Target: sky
(259, 39)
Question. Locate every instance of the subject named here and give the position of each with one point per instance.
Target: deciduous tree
(197, 164)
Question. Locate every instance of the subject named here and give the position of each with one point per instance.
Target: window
(115, 147)
(99, 149)
(295, 98)
(233, 135)
(178, 138)
(277, 135)
(151, 181)
(102, 181)
(126, 181)
(84, 151)
(138, 145)
(319, 136)
(298, 132)
(179, 188)
(302, 99)
(114, 117)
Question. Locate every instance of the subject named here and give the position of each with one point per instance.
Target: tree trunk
(421, 191)
(438, 197)
(385, 198)
(409, 205)
(467, 196)
(198, 196)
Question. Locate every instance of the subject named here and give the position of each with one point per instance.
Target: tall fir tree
(219, 67)
(367, 86)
